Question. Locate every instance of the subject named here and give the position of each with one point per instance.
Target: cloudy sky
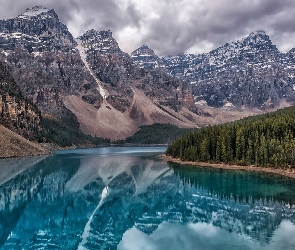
(172, 26)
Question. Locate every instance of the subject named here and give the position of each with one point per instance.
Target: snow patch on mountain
(35, 11)
(83, 55)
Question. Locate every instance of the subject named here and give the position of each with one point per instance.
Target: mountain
(41, 55)
(19, 120)
(250, 72)
(132, 96)
(146, 58)
(89, 83)
(16, 112)
(90, 78)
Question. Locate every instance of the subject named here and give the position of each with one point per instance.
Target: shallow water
(127, 198)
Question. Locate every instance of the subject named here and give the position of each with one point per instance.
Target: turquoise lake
(127, 198)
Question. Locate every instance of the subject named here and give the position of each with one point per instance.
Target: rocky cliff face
(250, 72)
(146, 58)
(112, 93)
(119, 74)
(90, 75)
(41, 54)
(37, 30)
(110, 65)
(140, 95)
(16, 112)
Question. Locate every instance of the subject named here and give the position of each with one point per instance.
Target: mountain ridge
(225, 76)
(52, 72)
(91, 78)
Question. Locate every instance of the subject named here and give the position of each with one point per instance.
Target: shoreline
(24, 155)
(278, 171)
(51, 147)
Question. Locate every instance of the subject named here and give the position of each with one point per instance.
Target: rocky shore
(14, 145)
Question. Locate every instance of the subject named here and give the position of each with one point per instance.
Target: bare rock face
(91, 76)
(110, 65)
(38, 29)
(110, 93)
(16, 112)
(119, 72)
(146, 58)
(41, 54)
(250, 72)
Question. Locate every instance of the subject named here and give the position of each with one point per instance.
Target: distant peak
(106, 33)
(93, 32)
(258, 32)
(36, 8)
(144, 47)
(259, 36)
(34, 11)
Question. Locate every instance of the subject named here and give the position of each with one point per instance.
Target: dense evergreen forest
(264, 140)
(155, 134)
(66, 132)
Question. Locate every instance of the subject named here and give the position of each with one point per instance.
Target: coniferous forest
(264, 140)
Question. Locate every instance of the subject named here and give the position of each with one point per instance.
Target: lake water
(127, 198)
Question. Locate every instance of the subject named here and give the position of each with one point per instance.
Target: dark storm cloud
(172, 26)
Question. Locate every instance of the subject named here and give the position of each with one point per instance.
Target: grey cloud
(103, 15)
(179, 26)
(220, 23)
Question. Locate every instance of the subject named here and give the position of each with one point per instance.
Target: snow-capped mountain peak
(34, 11)
(146, 58)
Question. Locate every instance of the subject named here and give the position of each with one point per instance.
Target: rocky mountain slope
(141, 96)
(92, 79)
(16, 112)
(146, 58)
(250, 72)
(19, 119)
(135, 95)
(41, 54)
(90, 76)
(14, 145)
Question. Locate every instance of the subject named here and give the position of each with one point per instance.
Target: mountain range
(250, 72)
(111, 93)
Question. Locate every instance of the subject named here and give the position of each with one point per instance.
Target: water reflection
(129, 199)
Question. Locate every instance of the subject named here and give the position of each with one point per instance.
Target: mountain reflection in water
(127, 198)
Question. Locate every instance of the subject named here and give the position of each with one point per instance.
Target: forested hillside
(155, 134)
(20, 115)
(17, 112)
(265, 140)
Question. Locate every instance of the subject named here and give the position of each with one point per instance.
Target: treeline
(66, 132)
(32, 125)
(155, 134)
(264, 140)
